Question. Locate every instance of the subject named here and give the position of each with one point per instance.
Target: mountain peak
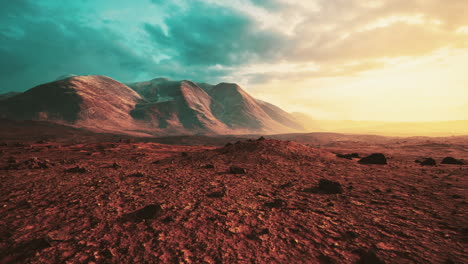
(160, 105)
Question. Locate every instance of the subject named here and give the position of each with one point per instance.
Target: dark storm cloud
(37, 45)
(215, 35)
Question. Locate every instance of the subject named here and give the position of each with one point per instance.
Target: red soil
(154, 203)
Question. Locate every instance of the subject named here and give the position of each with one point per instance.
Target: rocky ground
(256, 201)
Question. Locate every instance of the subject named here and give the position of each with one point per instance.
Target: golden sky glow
(377, 60)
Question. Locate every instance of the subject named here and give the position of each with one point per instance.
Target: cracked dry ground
(162, 204)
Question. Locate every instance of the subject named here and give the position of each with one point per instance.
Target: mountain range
(157, 107)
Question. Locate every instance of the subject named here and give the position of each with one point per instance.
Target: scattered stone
(370, 257)
(217, 194)
(116, 166)
(35, 163)
(350, 235)
(58, 235)
(207, 166)
(136, 175)
(451, 160)
(286, 185)
(276, 203)
(77, 169)
(428, 162)
(237, 170)
(148, 212)
(375, 158)
(329, 187)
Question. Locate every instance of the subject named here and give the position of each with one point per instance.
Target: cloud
(46, 47)
(215, 35)
(212, 40)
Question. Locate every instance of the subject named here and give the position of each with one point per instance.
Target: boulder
(237, 170)
(451, 160)
(329, 187)
(428, 162)
(375, 158)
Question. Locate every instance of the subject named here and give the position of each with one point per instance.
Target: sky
(385, 60)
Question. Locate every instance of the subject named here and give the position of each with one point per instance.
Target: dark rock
(276, 203)
(148, 212)
(228, 144)
(207, 166)
(428, 162)
(330, 187)
(184, 154)
(237, 170)
(286, 185)
(451, 160)
(375, 158)
(456, 196)
(58, 235)
(323, 259)
(350, 235)
(370, 257)
(261, 138)
(35, 163)
(116, 166)
(136, 175)
(217, 194)
(77, 169)
(417, 161)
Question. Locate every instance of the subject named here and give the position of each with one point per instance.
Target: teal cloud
(41, 40)
(206, 35)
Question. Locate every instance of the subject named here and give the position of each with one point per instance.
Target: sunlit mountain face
(380, 60)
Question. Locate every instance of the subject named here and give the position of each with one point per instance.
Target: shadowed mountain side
(88, 101)
(177, 106)
(8, 95)
(281, 116)
(222, 109)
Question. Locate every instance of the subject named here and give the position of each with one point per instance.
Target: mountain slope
(242, 110)
(179, 106)
(222, 108)
(158, 107)
(91, 101)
